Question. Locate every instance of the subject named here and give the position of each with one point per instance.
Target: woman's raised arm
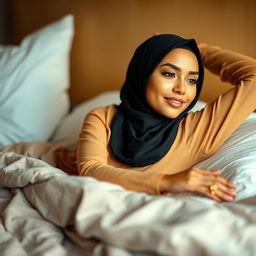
(232, 67)
(220, 118)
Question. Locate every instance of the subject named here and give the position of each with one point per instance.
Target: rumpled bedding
(46, 212)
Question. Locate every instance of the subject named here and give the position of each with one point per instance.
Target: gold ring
(213, 188)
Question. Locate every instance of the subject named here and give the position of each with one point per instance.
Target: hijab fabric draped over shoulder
(139, 135)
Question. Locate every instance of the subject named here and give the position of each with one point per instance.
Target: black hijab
(139, 135)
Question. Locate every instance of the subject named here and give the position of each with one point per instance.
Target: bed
(44, 211)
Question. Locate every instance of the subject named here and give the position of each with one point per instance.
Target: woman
(150, 142)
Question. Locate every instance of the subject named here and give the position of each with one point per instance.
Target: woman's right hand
(198, 180)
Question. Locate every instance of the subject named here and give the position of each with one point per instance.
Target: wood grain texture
(108, 31)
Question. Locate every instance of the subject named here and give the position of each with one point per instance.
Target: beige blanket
(47, 212)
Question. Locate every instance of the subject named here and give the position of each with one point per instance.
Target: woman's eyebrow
(179, 69)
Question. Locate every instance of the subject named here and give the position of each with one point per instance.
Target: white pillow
(236, 159)
(199, 105)
(69, 128)
(34, 78)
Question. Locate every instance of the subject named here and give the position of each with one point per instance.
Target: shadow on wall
(5, 22)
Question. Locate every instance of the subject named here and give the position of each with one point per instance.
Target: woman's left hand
(206, 182)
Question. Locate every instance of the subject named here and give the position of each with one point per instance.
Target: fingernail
(230, 198)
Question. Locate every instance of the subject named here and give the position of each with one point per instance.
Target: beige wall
(108, 31)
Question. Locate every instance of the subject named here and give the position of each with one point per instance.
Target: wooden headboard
(108, 31)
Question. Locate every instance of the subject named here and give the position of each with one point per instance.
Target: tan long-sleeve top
(200, 134)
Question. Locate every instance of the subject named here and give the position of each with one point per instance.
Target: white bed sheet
(47, 212)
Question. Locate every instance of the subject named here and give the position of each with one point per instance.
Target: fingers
(217, 196)
(206, 191)
(201, 45)
(227, 182)
(225, 188)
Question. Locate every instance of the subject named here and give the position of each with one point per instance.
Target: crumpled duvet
(46, 212)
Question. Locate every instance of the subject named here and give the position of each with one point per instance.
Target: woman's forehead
(182, 58)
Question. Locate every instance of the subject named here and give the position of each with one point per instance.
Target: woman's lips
(174, 102)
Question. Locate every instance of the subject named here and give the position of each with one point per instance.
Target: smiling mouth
(175, 103)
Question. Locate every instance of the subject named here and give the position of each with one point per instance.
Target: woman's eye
(169, 74)
(192, 81)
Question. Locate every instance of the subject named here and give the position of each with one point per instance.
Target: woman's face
(172, 86)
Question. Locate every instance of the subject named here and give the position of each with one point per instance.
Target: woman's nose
(179, 87)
